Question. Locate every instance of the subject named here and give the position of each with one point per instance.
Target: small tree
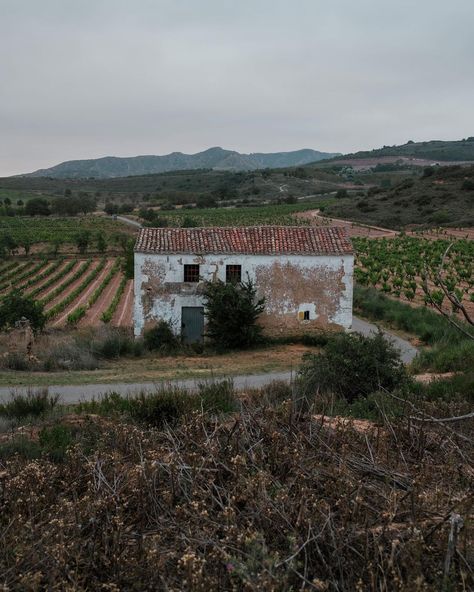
(82, 241)
(26, 244)
(232, 311)
(15, 305)
(101, 243)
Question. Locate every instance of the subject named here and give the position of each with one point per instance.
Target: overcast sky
(89, 78)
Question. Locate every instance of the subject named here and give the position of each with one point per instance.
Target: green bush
(216, 397)
(352, 366)
(32, 404)
(114, 345)
(16, 305)
(55, 440)
(161, 338)
(167, 405)
(164, 407)
(232, 311)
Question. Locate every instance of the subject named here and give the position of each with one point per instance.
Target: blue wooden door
(192, 323)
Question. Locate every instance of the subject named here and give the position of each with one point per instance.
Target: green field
(50, 229)
(398, 265)
(282, 215)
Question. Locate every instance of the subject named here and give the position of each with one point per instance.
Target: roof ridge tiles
(255, 240)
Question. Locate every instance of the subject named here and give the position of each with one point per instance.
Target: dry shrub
(267, 499)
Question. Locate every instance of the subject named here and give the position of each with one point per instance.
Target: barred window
(191, 273)
(233, 273)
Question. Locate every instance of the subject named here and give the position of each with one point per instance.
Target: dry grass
(265, 499)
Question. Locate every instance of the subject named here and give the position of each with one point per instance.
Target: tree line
(60, 206)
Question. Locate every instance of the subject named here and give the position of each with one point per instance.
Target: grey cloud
(86, 78)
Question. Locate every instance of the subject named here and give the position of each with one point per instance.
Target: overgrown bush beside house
(232, 311)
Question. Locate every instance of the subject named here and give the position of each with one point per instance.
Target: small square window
(191, 273)
(306, 315)
(233, 273)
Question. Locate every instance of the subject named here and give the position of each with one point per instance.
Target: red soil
(86, 294)
(73, 286)
(123, 316)
(56, 284)
(92, 318)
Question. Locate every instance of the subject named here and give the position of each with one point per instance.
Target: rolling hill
(213, 158)
(435, 151)
(443, 196)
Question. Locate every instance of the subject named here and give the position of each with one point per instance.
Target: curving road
(74, 394)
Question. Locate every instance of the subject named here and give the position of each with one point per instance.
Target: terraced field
(77, 291)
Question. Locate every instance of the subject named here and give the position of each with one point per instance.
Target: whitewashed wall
(154, 271)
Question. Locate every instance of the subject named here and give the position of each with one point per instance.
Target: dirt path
(73, 286)
(123, 316)
(92, 318)
(354, 228)
(84, 297)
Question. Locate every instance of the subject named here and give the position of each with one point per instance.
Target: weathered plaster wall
(291, 285)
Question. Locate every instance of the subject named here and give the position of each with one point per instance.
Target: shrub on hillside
(352, 366)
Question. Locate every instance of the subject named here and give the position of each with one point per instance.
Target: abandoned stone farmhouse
(304, 273)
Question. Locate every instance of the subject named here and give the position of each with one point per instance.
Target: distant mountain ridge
(213, 158)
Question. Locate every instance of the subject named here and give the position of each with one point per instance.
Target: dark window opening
(306, 315)
(191, 273)
(233, 273)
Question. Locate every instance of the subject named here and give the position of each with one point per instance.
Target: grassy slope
(437, 200)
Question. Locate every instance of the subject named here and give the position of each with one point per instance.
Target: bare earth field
(123, 315)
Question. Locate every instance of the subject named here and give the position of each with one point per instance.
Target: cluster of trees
(83, 241)
(112, 208)
(83, 203)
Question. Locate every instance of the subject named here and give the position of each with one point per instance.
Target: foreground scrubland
(265, 490)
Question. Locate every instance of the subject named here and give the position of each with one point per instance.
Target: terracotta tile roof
(255, 240)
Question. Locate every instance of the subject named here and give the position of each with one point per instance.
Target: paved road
(74, 394)
(407, 350)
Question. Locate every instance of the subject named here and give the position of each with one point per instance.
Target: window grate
(191, 273)
(233, 273)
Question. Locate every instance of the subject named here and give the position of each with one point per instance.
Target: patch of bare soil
(428, 377)
(92, 318)
(123, 316)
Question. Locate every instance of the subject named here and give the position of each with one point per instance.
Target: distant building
(304, 273)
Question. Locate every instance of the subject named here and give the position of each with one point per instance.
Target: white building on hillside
(304, 273)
